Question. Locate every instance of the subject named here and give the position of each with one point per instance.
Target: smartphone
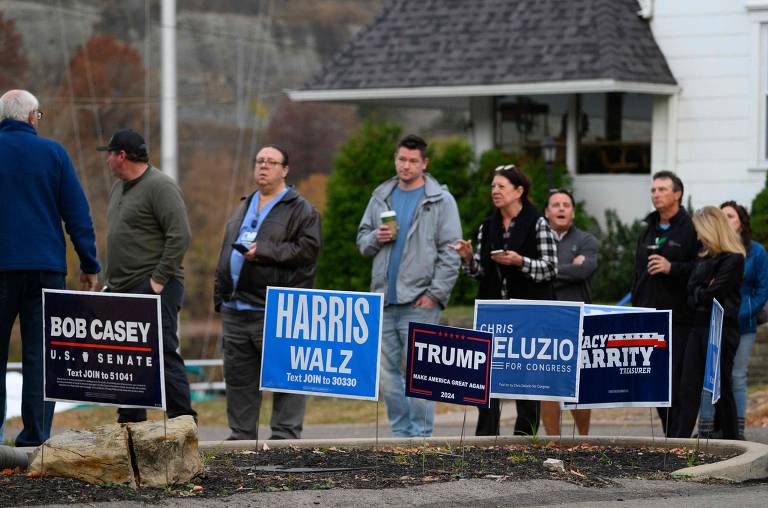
(239, 247)
(498, 251)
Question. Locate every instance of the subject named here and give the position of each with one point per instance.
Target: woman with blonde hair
(717, 274)
(754, 294)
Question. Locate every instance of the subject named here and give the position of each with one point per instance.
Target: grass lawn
(213, 413)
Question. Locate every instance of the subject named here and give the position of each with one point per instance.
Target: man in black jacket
(666, 251)
(273, 239)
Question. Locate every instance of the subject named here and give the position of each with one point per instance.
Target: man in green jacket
(147, 236)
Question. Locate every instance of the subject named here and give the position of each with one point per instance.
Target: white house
(624, 88)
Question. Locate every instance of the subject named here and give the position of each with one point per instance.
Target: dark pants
(21, 294)
(177, 400)
(242, 344)
(527, 423)
(669, 416)
(693, 374)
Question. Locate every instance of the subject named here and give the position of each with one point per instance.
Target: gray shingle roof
(420, 43)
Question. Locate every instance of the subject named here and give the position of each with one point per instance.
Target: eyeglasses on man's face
(268, 162)
(38, 114)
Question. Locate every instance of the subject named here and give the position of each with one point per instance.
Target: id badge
(247, 237)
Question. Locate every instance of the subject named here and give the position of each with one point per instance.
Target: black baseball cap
(128, 140)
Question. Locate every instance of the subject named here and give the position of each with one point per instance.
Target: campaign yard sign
(535, 347)
(319, 342)
(448, 364)
(712, 369)
(591, 309)
(103, 348)
(626, 360)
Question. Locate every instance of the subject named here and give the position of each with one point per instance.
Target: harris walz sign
(103, 348)
(319, 342)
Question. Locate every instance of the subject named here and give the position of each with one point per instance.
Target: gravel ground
(291, 469)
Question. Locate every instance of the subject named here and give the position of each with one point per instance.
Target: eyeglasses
(499, 169)
(270, 163)
(39, 114)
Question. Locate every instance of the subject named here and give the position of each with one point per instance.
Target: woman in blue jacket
(754, 294)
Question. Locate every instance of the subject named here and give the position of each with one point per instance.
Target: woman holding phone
(717, 274)
(516, 258)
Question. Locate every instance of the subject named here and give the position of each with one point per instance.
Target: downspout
(11, 457)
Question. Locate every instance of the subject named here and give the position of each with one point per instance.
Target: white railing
(200, 362)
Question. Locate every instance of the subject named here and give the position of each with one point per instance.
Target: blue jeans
(21, 294)
(408, 416)
(2, 423)
(177, 397)
(739, 374)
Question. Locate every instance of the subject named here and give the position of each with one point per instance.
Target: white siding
(709, 45)
(628, 195)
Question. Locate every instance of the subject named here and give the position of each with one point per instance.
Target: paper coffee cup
(389, 219)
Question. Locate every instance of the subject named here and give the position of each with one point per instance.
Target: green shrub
(759, 216)
(363, 162)
(616, 260)
(367, 159)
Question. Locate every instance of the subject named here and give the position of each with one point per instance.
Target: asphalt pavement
(497, 492)
(481, 493)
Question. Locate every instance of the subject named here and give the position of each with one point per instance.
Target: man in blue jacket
(38, 190)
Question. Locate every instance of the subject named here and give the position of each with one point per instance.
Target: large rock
(148, 454)
(165, 454)
(99, 455)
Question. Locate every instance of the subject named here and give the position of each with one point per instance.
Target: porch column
(571, 135)
(482, 116)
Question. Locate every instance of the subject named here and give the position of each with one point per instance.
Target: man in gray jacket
(576, 262)
(413, 266)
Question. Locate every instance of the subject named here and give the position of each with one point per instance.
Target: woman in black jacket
(716, 274)
(516, 258)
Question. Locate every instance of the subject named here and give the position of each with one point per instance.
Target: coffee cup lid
(388, 213)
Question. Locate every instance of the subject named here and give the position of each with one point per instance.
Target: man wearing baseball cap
(147, 236)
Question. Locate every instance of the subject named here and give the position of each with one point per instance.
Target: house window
(614, 133)
(613, 130)
(764, 86)
(523, 121)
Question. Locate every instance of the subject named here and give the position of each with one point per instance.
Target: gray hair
(17, 105)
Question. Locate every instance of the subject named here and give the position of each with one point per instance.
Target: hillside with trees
(95, 66)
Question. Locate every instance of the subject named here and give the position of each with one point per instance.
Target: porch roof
(463, 48)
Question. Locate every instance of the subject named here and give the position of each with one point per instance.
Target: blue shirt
(249, 229)
(404, 204)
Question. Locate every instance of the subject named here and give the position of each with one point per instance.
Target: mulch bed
(283, 469)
